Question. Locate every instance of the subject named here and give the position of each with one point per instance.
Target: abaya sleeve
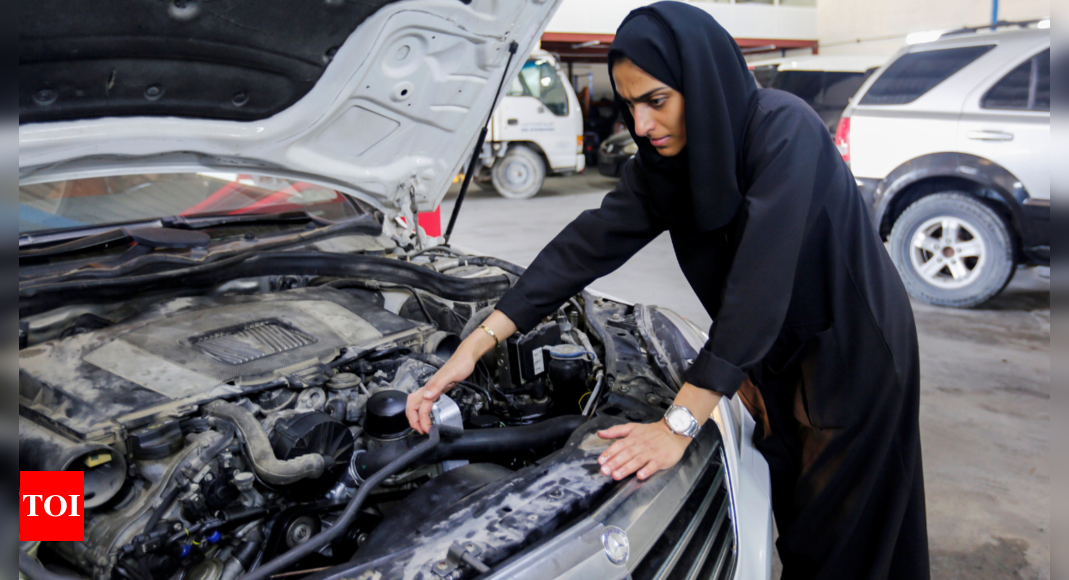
(782, 160)
(595, 244)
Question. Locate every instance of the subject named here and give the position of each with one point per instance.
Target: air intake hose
(481, 442)
(270, 468)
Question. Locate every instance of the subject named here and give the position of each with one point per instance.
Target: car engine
(220, 429)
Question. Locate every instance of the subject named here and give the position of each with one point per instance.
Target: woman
(813, 328)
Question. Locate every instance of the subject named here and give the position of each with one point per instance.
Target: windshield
(98, 201)
(539, 79)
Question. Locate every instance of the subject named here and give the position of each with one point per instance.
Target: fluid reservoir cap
(157, 441)
(386, 417)
(567, 352)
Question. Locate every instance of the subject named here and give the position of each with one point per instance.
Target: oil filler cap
(157, 441)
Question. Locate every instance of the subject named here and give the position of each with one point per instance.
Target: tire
(966, 273)
(519, 174)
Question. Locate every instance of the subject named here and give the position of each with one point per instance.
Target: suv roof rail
(993, 26)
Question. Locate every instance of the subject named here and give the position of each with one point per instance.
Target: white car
(950, 144)
(221, 313)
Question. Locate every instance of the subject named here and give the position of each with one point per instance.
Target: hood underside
(383, 98)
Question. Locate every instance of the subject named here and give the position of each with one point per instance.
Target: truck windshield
(97, 201)
(539, 79)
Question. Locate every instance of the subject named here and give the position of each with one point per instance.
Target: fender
(988, 179)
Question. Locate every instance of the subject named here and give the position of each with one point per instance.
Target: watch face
(678, 420)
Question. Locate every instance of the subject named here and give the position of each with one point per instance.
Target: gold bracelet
(492, 334)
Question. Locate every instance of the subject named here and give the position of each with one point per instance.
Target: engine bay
(228, 427)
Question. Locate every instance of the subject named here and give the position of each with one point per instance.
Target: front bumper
(612, 165)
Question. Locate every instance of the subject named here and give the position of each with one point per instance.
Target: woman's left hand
(642, 448)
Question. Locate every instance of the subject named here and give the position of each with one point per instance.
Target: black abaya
(806, 302)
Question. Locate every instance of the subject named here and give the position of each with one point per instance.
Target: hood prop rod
(473, 166)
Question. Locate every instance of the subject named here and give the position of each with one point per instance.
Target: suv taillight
(842, 138)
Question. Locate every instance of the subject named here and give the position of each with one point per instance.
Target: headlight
(631, 148)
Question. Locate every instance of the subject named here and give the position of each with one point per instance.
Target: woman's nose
(643, 123)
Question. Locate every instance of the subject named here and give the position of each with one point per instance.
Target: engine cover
(189, 351)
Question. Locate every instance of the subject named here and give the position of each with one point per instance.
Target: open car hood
(382, 99)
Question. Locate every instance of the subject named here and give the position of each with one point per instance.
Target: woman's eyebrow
(647, 96)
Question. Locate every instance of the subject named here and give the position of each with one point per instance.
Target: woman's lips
(663, 141)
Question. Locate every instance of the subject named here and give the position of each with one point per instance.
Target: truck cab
(536, 130)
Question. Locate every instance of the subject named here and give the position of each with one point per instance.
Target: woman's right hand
(420, 403)
(497, 327)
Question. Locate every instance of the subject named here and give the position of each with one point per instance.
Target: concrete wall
(741, 20)
(881, 26)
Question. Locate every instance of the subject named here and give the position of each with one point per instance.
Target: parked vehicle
(537, 130)
(615, 152)
(227, 365)
(950, 143)
(825, 83)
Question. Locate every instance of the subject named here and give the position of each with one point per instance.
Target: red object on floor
(431, 222)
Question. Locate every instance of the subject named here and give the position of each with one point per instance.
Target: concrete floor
(985, 393)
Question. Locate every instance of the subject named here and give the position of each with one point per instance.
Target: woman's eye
(658, 102)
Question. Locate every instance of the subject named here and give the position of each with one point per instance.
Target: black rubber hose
(271, 469)
(341, 526)
(34, 570)
(481, 442)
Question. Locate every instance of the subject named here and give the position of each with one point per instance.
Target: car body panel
(1018, 140)
(929, 124)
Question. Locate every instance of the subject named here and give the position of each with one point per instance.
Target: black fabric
(687, 50)
(808, 305)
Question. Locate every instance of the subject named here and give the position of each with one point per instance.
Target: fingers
(617, 431)
(644, 450)
(425, 416)
(649, 470)
(629, 468)
(412, 409)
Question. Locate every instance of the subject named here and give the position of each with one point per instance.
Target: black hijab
(685, 48)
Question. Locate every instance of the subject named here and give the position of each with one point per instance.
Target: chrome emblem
(617, 547)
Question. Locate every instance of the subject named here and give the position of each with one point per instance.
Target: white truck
(537, 130)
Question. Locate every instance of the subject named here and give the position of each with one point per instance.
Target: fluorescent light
(920, 37)
(546, 81)
(1044, 24)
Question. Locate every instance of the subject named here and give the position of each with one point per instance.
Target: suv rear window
(916, 73)
(1026, 87)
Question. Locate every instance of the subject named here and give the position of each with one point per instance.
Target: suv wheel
(952, 250)
(519, 174)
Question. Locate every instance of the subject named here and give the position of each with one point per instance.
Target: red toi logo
(52, 506)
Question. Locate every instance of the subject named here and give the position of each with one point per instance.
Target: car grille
(700, 541)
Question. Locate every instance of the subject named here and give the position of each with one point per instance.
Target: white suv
(950, 144)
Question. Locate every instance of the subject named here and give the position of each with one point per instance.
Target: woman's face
(656, 107)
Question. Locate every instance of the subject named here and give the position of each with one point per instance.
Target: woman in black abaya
(813, 327)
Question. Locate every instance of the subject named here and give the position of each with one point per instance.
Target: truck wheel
(519, 174)
(952, 250)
